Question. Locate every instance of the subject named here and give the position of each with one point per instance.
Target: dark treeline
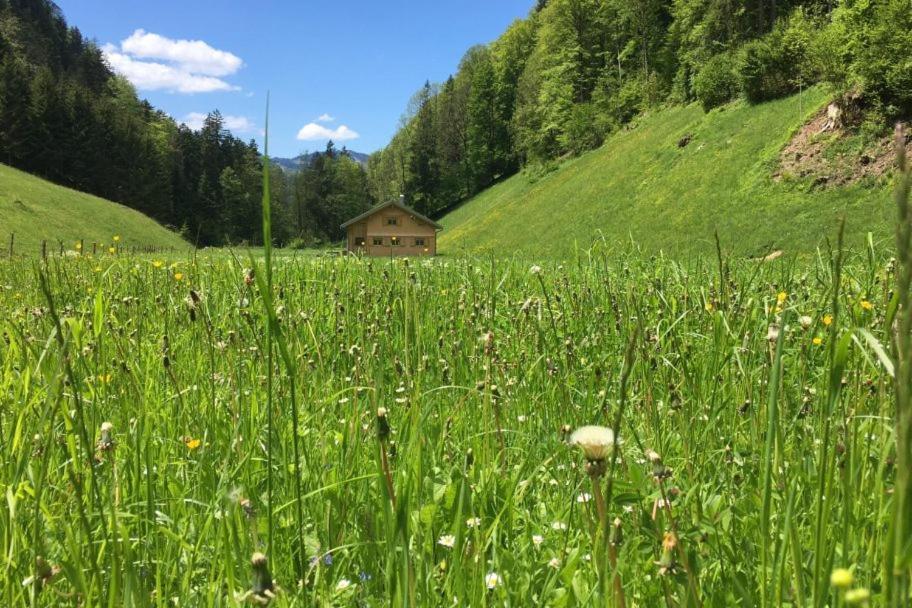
(65, 116)
(310, 204)
(560, 81)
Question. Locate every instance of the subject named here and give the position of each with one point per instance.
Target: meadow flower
(178, 276)
(666, 561)
(867, 305)
(447, 540)
(595, 441)
(827, 320)
(842, 578)
(537, 539)
(157, 264)
(106, 442)
(772, 332)
(492, 580)
(111, 250)
(857, 596)
(116, 238)
(817, 340)
(383, 426)
(805, 321)
(558, 525)
(473, 522)
(535, 270)
(584, 498)
(192, 443)
(343, 584)
(554, 563)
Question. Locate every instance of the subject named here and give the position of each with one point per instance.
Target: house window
(378, 240)
(392, 221)
(419, 242)
(394, 241)
(359, 241)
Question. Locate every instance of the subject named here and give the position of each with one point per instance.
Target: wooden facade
(392, 229)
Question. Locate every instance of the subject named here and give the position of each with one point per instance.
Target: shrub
(582, 131)
(716, 83)
(767, 68)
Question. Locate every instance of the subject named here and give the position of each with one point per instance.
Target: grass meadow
(334, 431)
(642, 187)
(754, 411)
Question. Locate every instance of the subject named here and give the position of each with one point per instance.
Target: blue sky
(353, 63)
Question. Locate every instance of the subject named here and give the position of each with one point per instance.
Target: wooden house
(392, 229)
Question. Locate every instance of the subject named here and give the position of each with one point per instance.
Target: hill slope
(37, 210)
(641, 185)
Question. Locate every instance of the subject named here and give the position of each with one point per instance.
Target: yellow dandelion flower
(857, 596)
(157, 264)
(192, 444)
(781, 297)
(78, 246)
(708, 306)
(111, 250)
(842, 578)
(817, 340)
(178, 276)
(827, 320)
(116, 238)
(867, 305)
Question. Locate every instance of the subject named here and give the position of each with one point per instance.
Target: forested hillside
(65, 116)
(575, 71)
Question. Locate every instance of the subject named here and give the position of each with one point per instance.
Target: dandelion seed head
(595, 441)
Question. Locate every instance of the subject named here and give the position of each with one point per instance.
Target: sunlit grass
(474, 496)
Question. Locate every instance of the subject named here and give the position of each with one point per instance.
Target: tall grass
(901, 327)
(779, 458)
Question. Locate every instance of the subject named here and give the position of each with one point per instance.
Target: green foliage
(883, 62)
(320, 197)
(716, 83)
(768, 68)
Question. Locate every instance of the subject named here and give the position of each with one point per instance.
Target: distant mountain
(293, 165)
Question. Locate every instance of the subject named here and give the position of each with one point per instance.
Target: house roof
(393, 203)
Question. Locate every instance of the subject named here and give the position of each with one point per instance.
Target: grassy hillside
(640, 185)
(37, 210)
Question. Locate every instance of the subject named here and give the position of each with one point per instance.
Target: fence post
(81, 246)
(12, 240)
(94, 248)
(44, 250)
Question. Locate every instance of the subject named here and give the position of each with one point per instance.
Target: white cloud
(314, 132)
(326, 118)
(238, 124)
(155, 63)
(194, 56)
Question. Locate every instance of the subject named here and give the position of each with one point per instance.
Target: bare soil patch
(831, 157)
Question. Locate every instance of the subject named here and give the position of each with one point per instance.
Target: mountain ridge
(293, 165)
